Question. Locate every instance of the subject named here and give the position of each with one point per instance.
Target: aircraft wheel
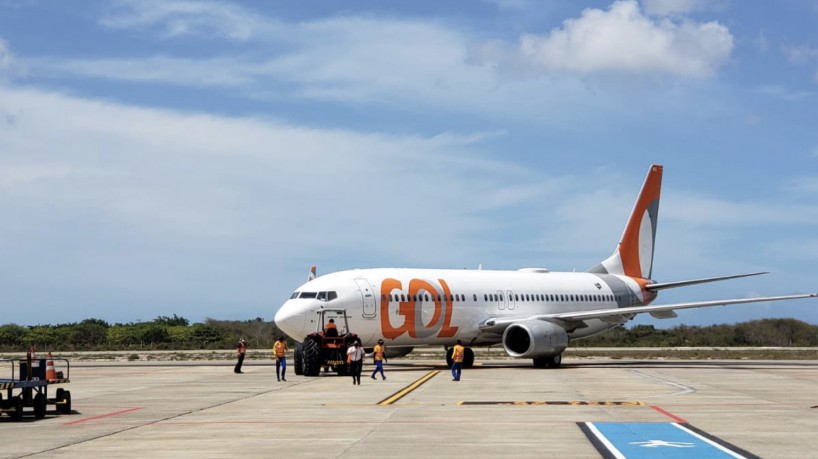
(540, 362)
(555, 361)
(312, 357)
(299, 359)
(468, 358)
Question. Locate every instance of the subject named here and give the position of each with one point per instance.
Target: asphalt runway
(498, 409)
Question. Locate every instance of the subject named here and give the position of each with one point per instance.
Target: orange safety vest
(280, 348)
(379, 350)
(457, 353)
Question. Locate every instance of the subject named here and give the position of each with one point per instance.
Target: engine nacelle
(534, 338)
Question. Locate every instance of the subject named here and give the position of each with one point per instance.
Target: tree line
(162, 333)
(764, 332)
(177, 333)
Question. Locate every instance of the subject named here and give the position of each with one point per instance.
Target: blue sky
(196, 157)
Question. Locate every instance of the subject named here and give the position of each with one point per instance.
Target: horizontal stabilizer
(685, 283)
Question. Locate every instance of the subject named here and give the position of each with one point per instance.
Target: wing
(620, 315)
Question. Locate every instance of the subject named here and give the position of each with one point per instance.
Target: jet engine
(534, 338)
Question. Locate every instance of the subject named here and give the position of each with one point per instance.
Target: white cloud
(365, 60)
(801, 54)
(623, 40)
(178, 18)
(217, 72)
(201, 177)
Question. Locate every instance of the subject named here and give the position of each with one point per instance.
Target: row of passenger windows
(459, 297)
(497, 297)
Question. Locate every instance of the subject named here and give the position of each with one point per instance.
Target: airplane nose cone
(291, 321)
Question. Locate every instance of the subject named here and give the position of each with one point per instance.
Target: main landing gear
(548, 362)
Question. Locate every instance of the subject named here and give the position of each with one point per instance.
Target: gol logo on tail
(441, 323)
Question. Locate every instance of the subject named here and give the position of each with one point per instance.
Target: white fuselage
(415, 307)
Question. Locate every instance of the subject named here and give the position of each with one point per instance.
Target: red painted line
(671, 416)
(103, 416)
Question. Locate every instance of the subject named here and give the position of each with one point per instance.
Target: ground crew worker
(241, 349)
(378, 357)
(331, 329)
(280, 351)
(355, 357)
(457, 360)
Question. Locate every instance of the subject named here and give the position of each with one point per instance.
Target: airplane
(532, 312)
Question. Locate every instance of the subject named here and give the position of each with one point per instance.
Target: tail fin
(311, 275)
(634, 255)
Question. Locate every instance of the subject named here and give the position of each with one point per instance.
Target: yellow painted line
(401, 393)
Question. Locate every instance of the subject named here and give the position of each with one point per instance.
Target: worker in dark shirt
(241, 349)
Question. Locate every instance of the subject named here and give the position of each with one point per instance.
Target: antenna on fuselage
(480, 267)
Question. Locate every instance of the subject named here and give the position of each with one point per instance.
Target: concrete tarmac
(498, 409)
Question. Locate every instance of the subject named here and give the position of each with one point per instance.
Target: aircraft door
(502, 301)
(511, 304)
(367, 296)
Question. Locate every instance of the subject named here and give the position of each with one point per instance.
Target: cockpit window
(294, 295)
(327, 296)
(308, 295)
